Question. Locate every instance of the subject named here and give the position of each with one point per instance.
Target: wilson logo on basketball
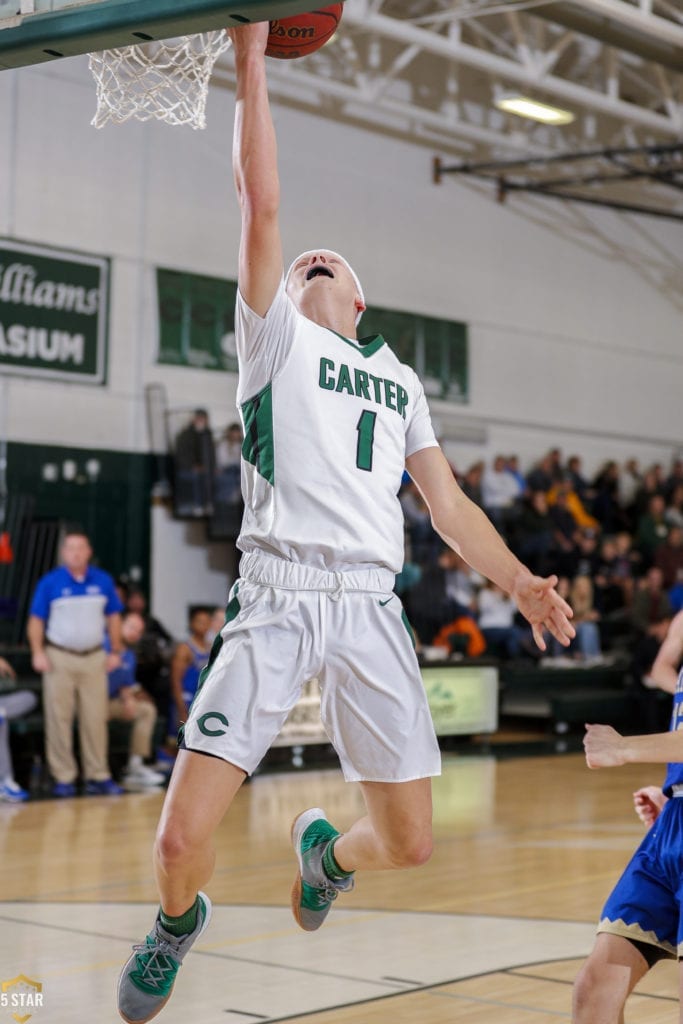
(301, 34)
(291, 31)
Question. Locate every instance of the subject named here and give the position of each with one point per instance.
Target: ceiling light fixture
(523, 106)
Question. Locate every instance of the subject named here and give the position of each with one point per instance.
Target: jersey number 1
(365, 429)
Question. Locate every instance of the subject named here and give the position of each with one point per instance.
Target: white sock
(134, 761)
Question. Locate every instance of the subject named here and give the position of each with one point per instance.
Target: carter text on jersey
(363, 385)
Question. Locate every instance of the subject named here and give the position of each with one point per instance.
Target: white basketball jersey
(328, 424)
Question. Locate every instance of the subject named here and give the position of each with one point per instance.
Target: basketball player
(330, 421)
(642, 920)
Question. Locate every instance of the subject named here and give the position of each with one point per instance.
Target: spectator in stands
(676, 596)
(229, 465)
(189, 658)
(496, 620)
(565, 536)
(424, 541)
(587, 553)
(153, 653)
(462, 582)
(471, 483)
(535, 541)
(13, 704)
(512, 467)
(630, 482)
(586, 643)
(674, 479)
(195, 461)
(541, 477)
(72, 608)
(613, 579)
(500, 494)
(578, 481)
(674, 510)
(652, 530)
(649, 487)
(669, 557)
(606, 505)
(217, 623)
(563, 487)
(628, 558)
(557, 471)
(431, 603)
(651, 605)
(128, 702)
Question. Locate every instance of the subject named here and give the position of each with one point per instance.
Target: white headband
(354, 275)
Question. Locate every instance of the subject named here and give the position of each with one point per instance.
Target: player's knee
(584, 991)
(410, 851)
(174, 845)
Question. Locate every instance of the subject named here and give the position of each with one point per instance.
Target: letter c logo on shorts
(203, 727)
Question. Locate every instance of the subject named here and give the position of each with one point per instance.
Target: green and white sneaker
(313, 891)
(147, 979)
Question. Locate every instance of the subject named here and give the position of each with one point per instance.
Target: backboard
(34, 31)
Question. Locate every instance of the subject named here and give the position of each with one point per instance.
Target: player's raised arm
(255, 170)
(464, 526)
(664, 672)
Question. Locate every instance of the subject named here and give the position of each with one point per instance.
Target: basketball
(302, 33)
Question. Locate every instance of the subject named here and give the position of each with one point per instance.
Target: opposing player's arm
(606, 748)
(464, 527)
(255, 171)
(664, 672)
(182, 659)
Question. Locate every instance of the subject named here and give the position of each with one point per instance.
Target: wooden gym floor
(494, 928)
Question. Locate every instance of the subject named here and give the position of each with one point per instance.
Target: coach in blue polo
(72, 608)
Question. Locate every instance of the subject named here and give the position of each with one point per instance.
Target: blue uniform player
(642, 921)
(189, 659)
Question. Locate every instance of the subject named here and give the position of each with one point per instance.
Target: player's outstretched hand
(604, 747)
(542, 606)
(648, 802)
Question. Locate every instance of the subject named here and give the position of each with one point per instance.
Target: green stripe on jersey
(409, 628)
(258, 447)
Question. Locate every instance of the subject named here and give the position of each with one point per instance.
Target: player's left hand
(603, 746)
(648, 802)
(542, 606)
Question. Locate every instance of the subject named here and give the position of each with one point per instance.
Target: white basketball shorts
(288, 623)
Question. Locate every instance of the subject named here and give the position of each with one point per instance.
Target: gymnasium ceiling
(430, 70)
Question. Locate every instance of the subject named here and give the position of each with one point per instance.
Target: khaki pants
(76, 687)
(143, 724)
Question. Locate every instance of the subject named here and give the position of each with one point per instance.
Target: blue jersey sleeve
(40, 605)
(125, 674)
(113, 604)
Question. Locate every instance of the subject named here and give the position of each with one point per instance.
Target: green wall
(112, 505)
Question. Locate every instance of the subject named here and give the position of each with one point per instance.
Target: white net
(166, 80)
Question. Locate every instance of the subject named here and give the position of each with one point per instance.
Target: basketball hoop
(167, 80)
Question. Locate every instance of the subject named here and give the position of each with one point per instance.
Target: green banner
(53, 313)
(436, 349)
(197, 328)
(196, 320)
